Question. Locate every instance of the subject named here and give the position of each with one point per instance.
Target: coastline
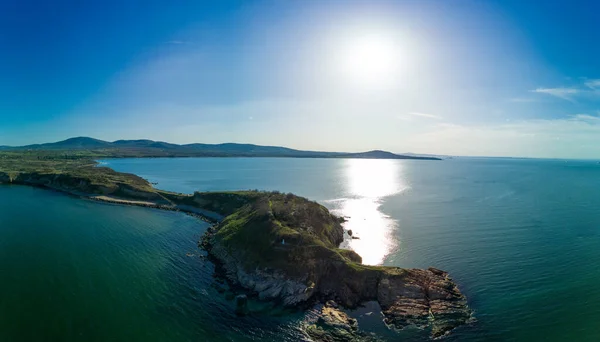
(247, 240)
(206, 216)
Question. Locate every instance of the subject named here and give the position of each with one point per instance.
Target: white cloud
(588, 89)
(563, 93)
(586, 118)
(593, 84)
(576, 136)
(425, 115)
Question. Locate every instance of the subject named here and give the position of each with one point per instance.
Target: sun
(371, 61)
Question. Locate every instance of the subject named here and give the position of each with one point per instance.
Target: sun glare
(371, 61)
(367, 183)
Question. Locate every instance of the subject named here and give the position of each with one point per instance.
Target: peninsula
(281, 247)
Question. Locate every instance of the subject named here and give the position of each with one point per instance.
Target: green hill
(89, 147)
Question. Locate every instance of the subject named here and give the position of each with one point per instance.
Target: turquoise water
(521, 237)
(75, 270)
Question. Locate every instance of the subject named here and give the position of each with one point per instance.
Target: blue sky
(498, 78)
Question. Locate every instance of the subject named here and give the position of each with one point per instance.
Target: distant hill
(377, 154)
(441, 156)
(72, 143)
(151, 148)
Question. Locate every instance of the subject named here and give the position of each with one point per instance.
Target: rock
(422, 298)
(312, 267)
(349, 232)
(241, 305)
(437, 271)
(331, 304)
(333, 317)
(334, 325)
(5, 178)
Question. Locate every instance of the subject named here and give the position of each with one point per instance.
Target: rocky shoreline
(408, 297)
(422, 298)
(334, 325)
(284, 248)
(84, 190)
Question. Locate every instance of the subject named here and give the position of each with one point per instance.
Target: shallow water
(76, 270)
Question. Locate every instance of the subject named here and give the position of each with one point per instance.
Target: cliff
(282, 247)
(104, 182)
(285, 248)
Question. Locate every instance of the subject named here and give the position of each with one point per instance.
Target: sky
(483, 78)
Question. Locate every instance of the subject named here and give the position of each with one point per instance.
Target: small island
(280, 247)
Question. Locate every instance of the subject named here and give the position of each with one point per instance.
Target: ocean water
(77, 270)
(520, 237)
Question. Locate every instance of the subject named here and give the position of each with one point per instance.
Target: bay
(520, 237)
(78, 270)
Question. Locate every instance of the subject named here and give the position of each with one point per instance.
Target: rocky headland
(280, 247)
(285, 248)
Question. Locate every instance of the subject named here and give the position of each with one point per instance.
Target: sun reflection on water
(367, 183)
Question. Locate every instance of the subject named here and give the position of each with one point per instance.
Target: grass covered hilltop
(281, 247)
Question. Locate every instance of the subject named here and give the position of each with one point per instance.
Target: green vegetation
(277, 230)
(281, 246)
(83, 147)
(71, 174)
(224, 203)
(17, 163)
(272, 229)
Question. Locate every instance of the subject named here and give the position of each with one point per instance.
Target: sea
(521, 238)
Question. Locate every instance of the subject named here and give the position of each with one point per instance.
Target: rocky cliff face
(53, 181)
(267, 284)
(79, 185)
(293, 258)
(422, 298)
(285, 248)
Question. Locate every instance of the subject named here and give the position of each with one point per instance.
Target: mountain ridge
(151, 148)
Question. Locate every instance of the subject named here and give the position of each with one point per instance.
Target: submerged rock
(241, 305)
